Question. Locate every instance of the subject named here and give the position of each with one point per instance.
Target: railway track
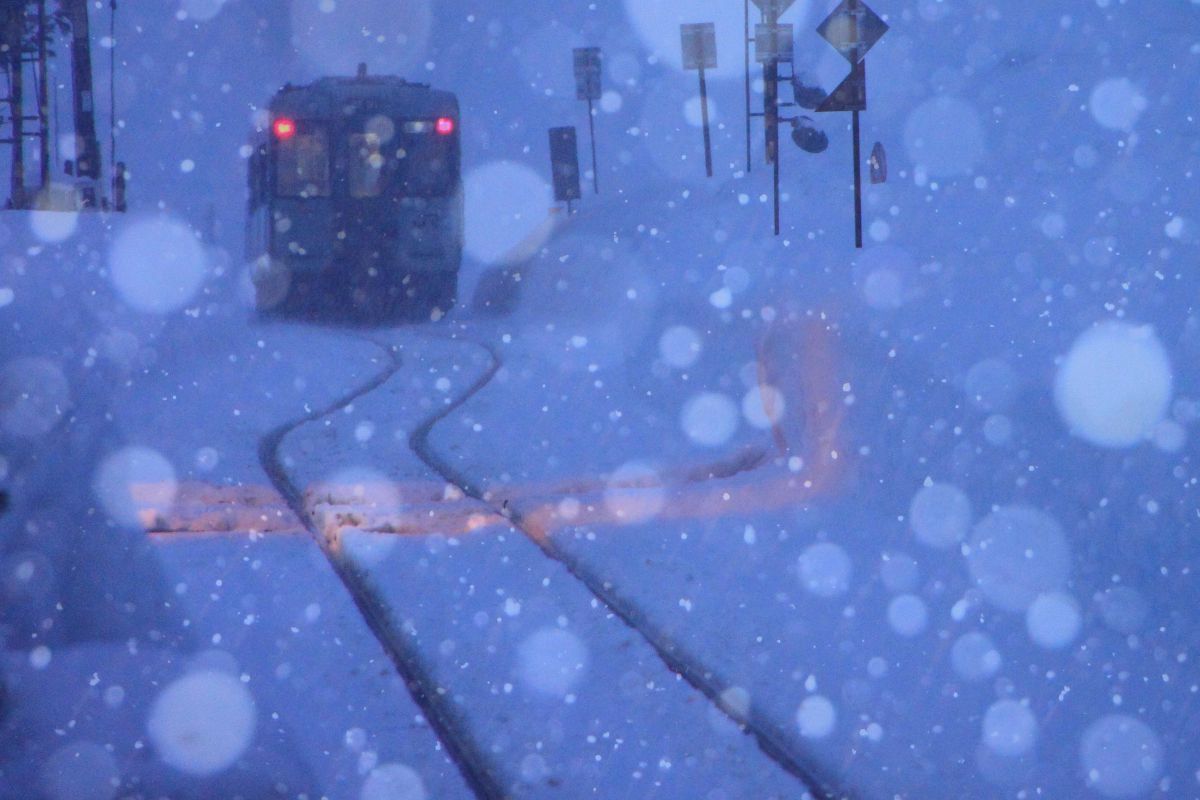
(451, 729)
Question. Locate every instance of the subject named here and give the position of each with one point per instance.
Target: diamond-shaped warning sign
(853, 28)
(850, 95)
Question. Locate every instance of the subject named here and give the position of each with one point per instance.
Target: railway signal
(878, 164)
(587, 87)
(853, 29)
(699, 42)
(564, 166)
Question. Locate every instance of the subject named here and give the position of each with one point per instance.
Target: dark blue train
(356, 199)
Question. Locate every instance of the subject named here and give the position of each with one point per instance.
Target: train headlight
(284, 128)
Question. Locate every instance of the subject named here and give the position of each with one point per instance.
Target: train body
(355, 197)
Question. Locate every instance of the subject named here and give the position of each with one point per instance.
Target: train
(355, 199)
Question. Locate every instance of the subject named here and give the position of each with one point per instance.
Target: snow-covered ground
(920, 518)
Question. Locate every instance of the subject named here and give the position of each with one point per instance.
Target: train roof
(334, 96)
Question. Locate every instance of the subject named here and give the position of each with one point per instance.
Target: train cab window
(426, 160)
(366, 169)
(302, 164)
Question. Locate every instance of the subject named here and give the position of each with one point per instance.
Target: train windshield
(409, 159)
(302, 163)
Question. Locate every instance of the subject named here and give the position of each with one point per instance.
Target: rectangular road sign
(772, 43)
(587, 73)
(564, 164)
(699, 43)
(853, 28)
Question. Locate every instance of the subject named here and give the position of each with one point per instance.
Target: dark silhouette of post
(746, 46)
(698, 41)
(592, 136)
(853, 29)
(861, 69)
(43, 100)
(704, 122)
(587, 87)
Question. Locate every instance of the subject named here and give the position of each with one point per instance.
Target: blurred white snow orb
(1116, 104)
(974, 657)
(34, 395)
(135, 485)
(80, 771)
(1114, 386)
(551, 661)
(334, 37)
(907, 615)
(201, 10)
(680, 346)
(991, 385)
(940, 515)
(944, 137)
(634, 493)
(1053, 620)
(1121, 756)
(157, 265)
(657, 24)
(883, 289)
(1009, 728)
(763, 406)
(1123, 609)
(1017, 553)
(393, 782)
(53, 226)
(507, 212)
(824, 569)
(203, 722)
(816, 717)
(710, 419)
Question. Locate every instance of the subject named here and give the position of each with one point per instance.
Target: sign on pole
(587, 73)
(850, 94)
(773, 43)
(699, 42)
(853, 29)
(564, 165)
(587, 87)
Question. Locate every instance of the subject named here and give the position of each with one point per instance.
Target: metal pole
(771, 112)
(43, 99)
(746, 47)
(592, 132)
(704, 120)
(860, 70)
(857, 187)
(112, 97)
(17, 103)
(775, 167)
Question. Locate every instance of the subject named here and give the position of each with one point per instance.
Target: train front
(363, 210)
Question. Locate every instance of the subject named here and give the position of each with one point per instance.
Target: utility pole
(772, 43)
(853, 29)
(12, 40)
(83, 105)
(43, 36)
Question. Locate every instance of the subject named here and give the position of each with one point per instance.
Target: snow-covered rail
(687, 665)
(437, 710)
